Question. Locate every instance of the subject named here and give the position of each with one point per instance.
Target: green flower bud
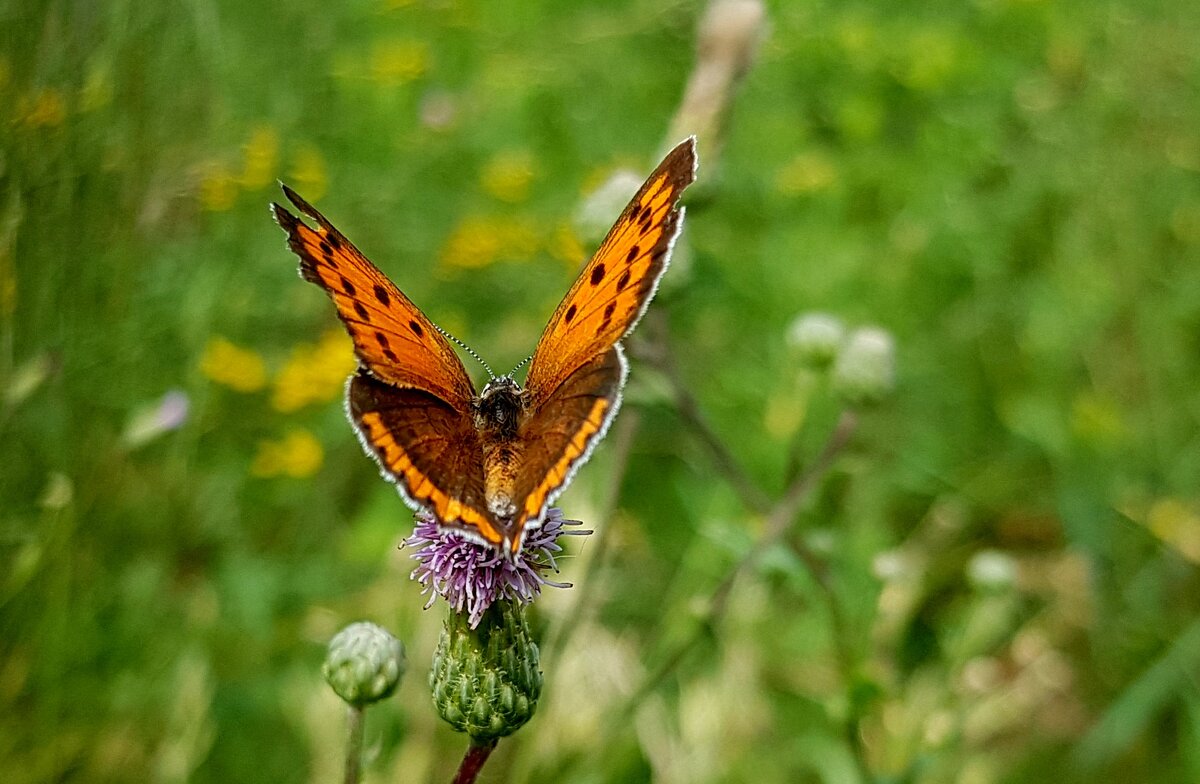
(486, 681)
(364, 663)
(817, 337)
(865, 369)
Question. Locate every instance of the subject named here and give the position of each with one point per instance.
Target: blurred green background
(1009, 547)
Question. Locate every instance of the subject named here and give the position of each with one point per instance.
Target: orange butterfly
(488, 464)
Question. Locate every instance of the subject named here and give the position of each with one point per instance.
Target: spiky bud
(486, 681)
(364, 663)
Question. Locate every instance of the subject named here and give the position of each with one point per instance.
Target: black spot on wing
(597, 274)
(570, 314)
(348, 287)
(382, 295)
(634, 252)
(416, 329)
(391, 355)
(362, 312)
(382, 338)
(623, 281)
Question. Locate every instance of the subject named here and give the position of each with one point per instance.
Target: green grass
(1012, 188)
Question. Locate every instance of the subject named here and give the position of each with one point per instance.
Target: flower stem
(472, 762)
(778, 521)
(354, 741)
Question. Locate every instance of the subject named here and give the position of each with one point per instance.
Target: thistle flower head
(472, 576)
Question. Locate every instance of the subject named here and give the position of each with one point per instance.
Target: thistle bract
(486, 678)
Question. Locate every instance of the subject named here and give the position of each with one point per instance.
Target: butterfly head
(498, 408)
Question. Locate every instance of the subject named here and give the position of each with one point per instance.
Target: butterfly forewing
(618, 282)
(392, 337)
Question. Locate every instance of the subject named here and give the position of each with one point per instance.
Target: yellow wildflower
(474, 243)
(519, 239)
(235, 367)
(308, 172)
(314, 373)
(43, 109)
(298, 454)
(479, 241)
(218, 188)
(507, 176)
(261, 155)
(397, 62)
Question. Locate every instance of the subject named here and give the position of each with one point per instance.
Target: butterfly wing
(561, 432)
(612, 292)
(578, 369)
(429, 448)
(392, 337)
(410, 401)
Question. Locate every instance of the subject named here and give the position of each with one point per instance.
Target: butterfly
(488, 464)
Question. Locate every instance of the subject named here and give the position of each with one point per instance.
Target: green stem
(354, 740)
(779, 520)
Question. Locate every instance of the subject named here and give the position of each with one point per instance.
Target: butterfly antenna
(467, 349)
(520, 365)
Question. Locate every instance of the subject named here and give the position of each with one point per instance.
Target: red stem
(472, 762)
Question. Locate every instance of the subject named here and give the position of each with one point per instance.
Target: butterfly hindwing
(432, 452)
(560, 433)
(392, 337)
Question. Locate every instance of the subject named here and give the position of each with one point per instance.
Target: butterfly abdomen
(499, 411)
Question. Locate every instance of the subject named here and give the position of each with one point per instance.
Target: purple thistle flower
(472, 576)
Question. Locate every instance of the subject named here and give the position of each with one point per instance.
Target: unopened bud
(817, 337)
(865, 369)
(364, 663)
(486, 681)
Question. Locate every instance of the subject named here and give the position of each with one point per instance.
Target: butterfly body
(500, 410)
(488, 464)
